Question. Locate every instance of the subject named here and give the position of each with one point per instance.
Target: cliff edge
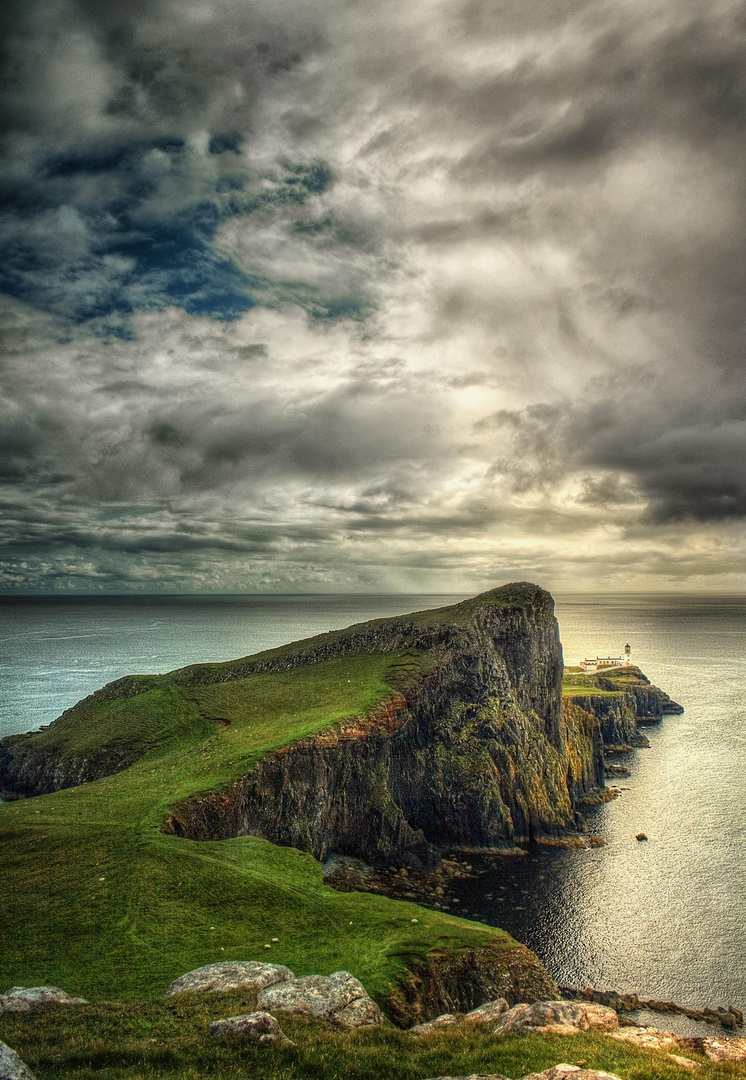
(469, 746)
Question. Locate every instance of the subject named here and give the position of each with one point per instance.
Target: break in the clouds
(382, 296)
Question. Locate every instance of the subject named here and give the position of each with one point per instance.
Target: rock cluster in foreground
(341, 1001)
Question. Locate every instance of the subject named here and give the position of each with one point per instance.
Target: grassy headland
(99, 900)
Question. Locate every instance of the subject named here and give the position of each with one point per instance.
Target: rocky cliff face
(27, 769)
(475, 752)
(620, 699)
(616, 715)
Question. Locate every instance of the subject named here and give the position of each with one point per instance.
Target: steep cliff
(621, 699)
(474, 751)
(470, 747)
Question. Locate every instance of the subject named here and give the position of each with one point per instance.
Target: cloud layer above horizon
(373, 296)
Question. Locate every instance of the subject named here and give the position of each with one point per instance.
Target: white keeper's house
(608, 661)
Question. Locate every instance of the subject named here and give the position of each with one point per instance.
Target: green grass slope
(96, 899)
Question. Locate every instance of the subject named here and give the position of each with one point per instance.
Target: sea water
(664, 918)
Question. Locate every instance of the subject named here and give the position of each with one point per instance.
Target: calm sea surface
(664, 918)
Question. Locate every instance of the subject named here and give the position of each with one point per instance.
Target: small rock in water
(641, 836)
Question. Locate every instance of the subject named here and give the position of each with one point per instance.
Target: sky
(356, 295)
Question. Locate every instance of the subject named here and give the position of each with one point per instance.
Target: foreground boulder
(11, 1066)
(557, 1072)
(648, 1038)
(230, 975)
(472, 1076)
(574, 1072)
(485, 1014)
(447, 1020)
(338, 998)
(712, 1047)
(558, 1018)
(258, 1027)
(21, 999)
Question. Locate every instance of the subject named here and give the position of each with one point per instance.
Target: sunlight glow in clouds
(338, 296)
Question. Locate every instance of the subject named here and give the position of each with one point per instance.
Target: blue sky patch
(98, 233)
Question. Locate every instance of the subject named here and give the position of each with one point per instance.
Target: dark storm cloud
(686, 466)
(522, 258)
(110, 205)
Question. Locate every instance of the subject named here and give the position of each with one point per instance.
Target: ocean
(663, 918)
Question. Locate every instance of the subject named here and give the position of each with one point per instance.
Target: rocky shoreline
(339, 1003)
(729, 1018)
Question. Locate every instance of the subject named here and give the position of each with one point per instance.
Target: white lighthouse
(628, 654)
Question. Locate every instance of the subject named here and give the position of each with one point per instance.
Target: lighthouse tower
(628, 653)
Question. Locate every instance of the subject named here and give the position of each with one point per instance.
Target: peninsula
(172, 821)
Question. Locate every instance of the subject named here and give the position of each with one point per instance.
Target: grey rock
(572, 1072)
(649, 1038)
(485, 1014)
(258, 1027)
(716, 1049)
(21, 999)
(447, 1020)
(338, 998)
(686, 1063)
(230, 975)
(491, 1010)
(558, 1017)
(472, 1076)
(11, 1066)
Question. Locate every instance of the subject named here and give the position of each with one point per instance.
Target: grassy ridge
(98, 900)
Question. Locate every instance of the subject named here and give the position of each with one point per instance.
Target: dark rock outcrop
(621, 699)
(448, 981)
(29, 769)
(616, 715)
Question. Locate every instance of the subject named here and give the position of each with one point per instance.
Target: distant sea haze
(665, 918)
